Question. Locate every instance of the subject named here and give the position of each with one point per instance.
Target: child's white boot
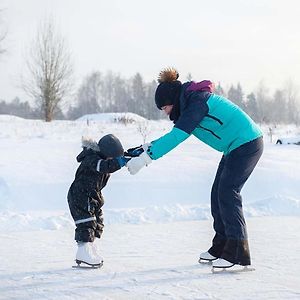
(96, 251)
(85, 254)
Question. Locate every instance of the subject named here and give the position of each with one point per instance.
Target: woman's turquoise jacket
(211, 118)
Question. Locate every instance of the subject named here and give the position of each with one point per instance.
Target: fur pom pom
(168, 75)
(89, 143)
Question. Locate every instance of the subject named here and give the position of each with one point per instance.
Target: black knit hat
(110, 146)
(168, 90)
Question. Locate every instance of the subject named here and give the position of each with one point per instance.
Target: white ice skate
(95, 251)
(86, 255)
(205, 257)
(223, 265)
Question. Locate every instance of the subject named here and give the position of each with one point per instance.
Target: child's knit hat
(110, 146)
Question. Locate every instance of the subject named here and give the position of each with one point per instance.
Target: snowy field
(157, 222)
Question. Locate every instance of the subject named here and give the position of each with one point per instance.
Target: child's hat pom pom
(168, 75)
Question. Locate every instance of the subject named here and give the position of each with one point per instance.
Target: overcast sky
(226, 41)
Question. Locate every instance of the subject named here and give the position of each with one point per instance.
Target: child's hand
(134, 152)
(137, 151)
(123, 160)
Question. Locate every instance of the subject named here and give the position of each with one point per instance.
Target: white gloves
(136, 163)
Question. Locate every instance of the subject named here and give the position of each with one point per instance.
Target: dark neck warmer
(175, 113)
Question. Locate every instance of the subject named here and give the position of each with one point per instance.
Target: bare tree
(292, 98)
(89, 94)
(50, 70)
(262, 97)
(144, 129)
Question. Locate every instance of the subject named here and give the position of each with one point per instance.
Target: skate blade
(86, 265)
(233, 269)
(206, 261)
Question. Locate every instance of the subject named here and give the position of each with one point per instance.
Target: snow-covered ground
(157, 221)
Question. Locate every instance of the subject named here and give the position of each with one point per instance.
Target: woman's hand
(137, 163)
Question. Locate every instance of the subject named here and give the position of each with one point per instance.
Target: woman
(216, 121)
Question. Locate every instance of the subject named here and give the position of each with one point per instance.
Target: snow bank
(125, 118)
(38, 165)
(10, 118)
(21, 222)
(157, 214)
(275, 206)
(48, 220)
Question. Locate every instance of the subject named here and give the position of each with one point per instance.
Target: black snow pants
(231, 241)
(87, 214)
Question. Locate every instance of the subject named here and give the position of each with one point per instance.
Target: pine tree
(252, 107)
(278, 113)
(138, 95)
(236, 95)
(89, 94)
(219, 90)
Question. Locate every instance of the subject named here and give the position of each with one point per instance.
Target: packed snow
(157, 222)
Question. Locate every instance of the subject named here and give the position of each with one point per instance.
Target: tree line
(110, 92)
(49, 81)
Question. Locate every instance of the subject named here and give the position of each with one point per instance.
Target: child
(97, 161)
(216, 121)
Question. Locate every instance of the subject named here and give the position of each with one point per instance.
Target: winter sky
(225, 41)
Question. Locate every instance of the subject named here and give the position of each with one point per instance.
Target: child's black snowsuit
(84, 197)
